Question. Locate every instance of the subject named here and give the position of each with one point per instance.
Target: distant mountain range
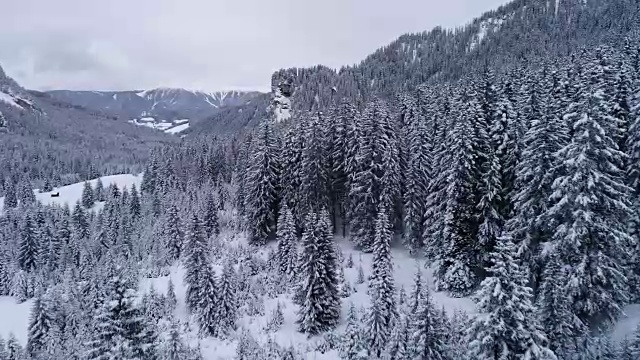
(162, 104)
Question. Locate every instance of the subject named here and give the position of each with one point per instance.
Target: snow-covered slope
(167, 126)
(71, 194)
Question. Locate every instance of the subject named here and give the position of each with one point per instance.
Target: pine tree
(508, 327)
(381, 287)
(26, 195)
(98, 191)
(287, 242)
(376, 153)
(210, 218)
(172, 301)
(175, 348)
(134, 203)
(262, 185)
(459, 250)
(427, 338)
(228, 301)
(397, 348)
(634, 344)
(535, 174)
(320, 309)
(590, 210)
(119, 326)
(10, 195)
(80, 224)
(339, 154)
(554, 309)
(172, 232)
(277, 319)
(88, 198)
(314, 177)
(14, 350)
(207, 301)
(196, 263)
(417, 177)
(353, 346)
(39, 327)
(29, 251)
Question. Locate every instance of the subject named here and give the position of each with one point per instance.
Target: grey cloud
(213, 45)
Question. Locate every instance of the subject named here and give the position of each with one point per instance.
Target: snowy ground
(214, 349)
(14, 317)
(71, 194)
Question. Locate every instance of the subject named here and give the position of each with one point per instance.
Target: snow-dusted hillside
(71, 194)
(15, 316)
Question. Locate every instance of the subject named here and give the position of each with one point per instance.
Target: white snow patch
(486, 26)
(6, 98)
(557, 7)
(71, 194)
(181, 121)
(15, 318)
(628, 323)
(177, 129)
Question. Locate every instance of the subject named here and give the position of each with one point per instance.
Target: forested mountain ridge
(163, 103)
(519, 34)
(45, 140)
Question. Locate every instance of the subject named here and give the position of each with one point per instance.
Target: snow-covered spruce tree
(291, 179)
(535, 174)
(590, 210)
(207, 297)
(135, 208)
(633, 344)
(26, 195)
(29, 251)
(320, 308)
(554, 309)
(119, 327)
(39, 327)
(457, 257)
(14, 349)
(88, 198)
(10, 194)
(172, 232)
(397, 348)
(174, 348)
(81, 229)
(287, 242)
(382, 312)
(353, 346)
(210, 217)
(490, 206)
(228, 301)
(508, 327)
(633, 181)
(418, 175)
(98, 191)
(262, 184)
(172, 300)
(314, 177)
(196, 263)
(427, 331)
(377, 137)
(340, 135)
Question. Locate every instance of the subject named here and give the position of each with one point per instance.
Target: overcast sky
(202, 44)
